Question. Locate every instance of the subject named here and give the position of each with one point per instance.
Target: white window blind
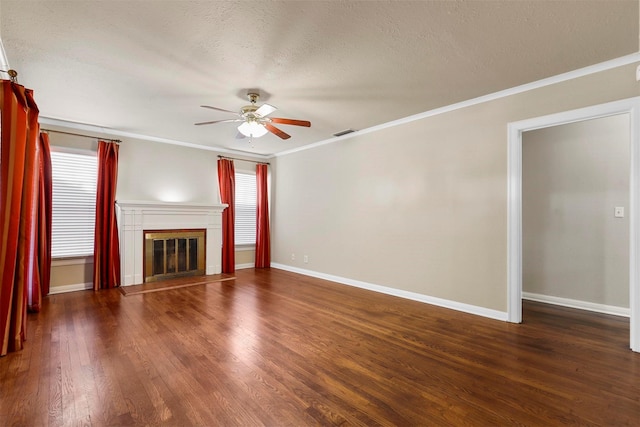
(74, 178)
(246, 209)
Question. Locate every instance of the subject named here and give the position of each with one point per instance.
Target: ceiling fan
(255, 122)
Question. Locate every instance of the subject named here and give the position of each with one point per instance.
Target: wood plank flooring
(174, 283)
(279, 349)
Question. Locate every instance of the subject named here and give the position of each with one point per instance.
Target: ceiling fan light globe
(252, 129)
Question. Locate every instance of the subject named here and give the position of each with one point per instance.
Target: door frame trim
(629, 106)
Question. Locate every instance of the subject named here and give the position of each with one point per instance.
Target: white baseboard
(70, 288)
(453, 305)
(581, 305)
(246, 265)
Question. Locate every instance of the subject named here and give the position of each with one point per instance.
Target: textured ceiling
(145, 67)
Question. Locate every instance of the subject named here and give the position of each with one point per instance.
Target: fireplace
(134, 218)
(173, 253)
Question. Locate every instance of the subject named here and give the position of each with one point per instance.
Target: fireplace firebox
(173, 253)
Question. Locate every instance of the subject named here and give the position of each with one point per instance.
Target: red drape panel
(18, 210)
(106, 249)
(227, 183)
(263, 246)
(41, 257)
(44, 214)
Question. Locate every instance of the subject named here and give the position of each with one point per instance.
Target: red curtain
(18, 210)
(226, 181)
(106, 249)
(42, 274)
(263, 247)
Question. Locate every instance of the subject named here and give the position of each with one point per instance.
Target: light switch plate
(618, 212)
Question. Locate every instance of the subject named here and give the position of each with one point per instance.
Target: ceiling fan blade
(291, 122)
(265, 110)
(218, 121)
(274, 130)
(219, 109)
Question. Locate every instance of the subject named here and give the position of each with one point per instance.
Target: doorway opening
(515, 238)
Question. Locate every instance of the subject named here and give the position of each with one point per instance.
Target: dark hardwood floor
(275, 348)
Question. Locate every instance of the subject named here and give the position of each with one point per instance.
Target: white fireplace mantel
(136, 216)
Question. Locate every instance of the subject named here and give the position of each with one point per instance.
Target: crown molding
(592, 69)
(94, 129)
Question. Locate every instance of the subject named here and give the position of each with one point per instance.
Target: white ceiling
(145, 67)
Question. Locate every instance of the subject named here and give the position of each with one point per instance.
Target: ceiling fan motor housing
(248, 112)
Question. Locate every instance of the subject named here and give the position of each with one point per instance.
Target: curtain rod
(243, 160)
(117, 141)
(13, 74)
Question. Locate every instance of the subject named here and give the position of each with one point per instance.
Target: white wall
(151, 171)
(573, 177)
(420, 207)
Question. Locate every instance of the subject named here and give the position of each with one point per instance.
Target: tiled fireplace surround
(134, 217)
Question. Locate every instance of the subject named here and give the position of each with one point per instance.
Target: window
(74, 176)
(246, 208)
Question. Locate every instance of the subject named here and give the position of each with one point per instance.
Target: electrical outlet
(306, 259)
(293, 257)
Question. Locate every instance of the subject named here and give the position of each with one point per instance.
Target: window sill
(240, 248)
(78, 260)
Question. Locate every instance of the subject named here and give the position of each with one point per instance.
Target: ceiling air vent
(343, 132)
